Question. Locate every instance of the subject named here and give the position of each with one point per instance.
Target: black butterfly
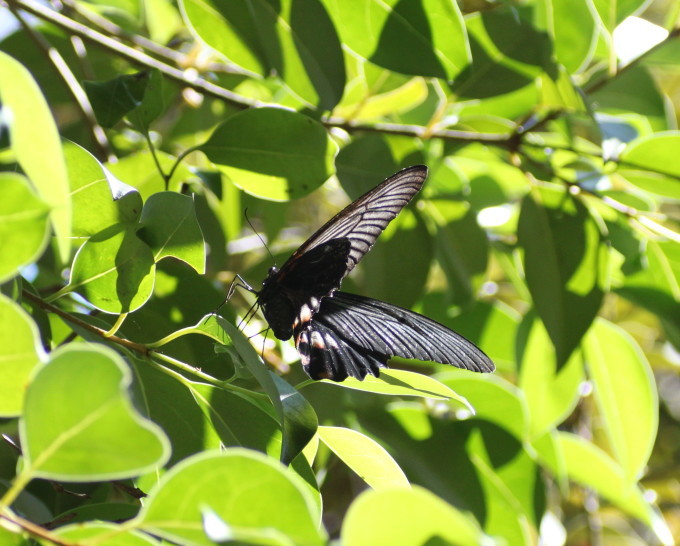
(339, 334)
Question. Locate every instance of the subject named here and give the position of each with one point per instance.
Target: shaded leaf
(262, 151)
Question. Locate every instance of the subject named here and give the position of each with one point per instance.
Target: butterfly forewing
(366, 218)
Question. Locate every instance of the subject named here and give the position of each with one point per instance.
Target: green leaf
(511, 485)
(94, 206)
(113, 99)
(24, 230)
(565, 265)
(626, 395)
(250, 492)
(402, 383)
(573, 30)
(20, 354)
(551, 392)
(297, 417)
(79, 423)
(650, 163)
(423, 39)
(115, 274)
(38, 152)
(493, 398)
(170, 228)
(263, 150)
(508, 53)
(294, 40)
(364, 456)
(635, 93)
(407, 516)
(592, 467)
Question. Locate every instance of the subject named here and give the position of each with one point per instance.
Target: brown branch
(134, 56)
(36, 530)
(137, 347)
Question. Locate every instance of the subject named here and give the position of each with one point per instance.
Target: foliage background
(135, 134)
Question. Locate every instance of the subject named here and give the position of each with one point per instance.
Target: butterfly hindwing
(380, 330)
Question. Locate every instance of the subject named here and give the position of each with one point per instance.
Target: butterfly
(340, 335)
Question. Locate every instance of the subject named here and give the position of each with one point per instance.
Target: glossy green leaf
(115, 274)
(592, 467)
(294, 39)
(113, 99)
(407, 516)
(364, 456)
(20, 354)
(424, 39)
(626, 394)
(650, 163)
(94, 207)
(508, 53)
(565, 264)
(24, 229)
(79, 423)
(262, 152)
(38, 152)
(551, 392)
(170, 228)
(403, 383)
(297, 417)
(250, 492)
(494, 399)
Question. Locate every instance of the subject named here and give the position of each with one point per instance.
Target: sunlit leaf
(250, 491)
(20, 354)
(24, 228)
(79, 423)
(626, 395)
(364, 456)
(37, 151)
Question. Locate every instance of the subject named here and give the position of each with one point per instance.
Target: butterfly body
(339, 335)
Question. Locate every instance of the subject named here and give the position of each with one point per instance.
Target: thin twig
(137, 347)
(36, 530)
(132, 55)
(71, 82)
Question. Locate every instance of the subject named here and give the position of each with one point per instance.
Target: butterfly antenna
(245, 213)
